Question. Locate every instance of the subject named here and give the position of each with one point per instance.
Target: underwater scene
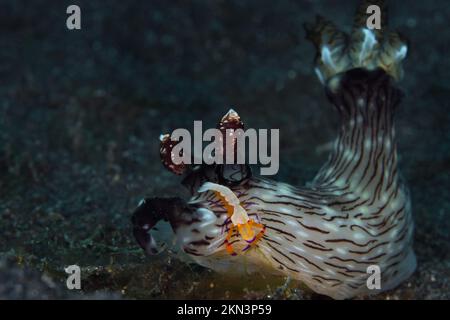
(225, 149)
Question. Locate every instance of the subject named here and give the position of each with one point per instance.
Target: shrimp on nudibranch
(237, 216)
(354, 214)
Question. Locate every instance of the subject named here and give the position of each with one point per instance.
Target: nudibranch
(354, 214)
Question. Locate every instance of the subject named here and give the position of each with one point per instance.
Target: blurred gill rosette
(366, 48)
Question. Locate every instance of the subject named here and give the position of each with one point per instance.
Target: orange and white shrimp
(237, 215)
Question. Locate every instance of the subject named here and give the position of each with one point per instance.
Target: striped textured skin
(355, 213)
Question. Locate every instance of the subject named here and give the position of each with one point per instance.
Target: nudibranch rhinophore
(355, 213)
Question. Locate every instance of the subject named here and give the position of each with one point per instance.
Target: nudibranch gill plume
(354, 214)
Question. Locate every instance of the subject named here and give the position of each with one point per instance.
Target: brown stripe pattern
(356, 212)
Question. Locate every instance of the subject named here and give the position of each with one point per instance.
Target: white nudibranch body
(356, 212)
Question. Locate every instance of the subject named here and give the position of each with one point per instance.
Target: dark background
(81, 113)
